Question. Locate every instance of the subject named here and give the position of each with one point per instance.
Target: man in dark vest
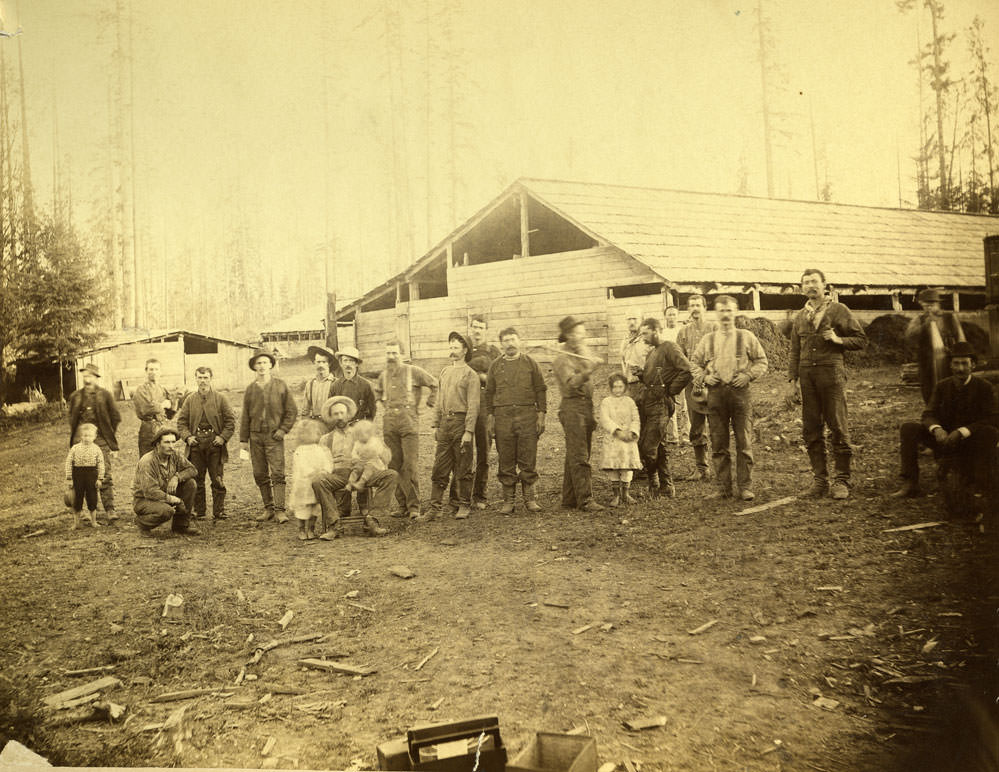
(93, 405)
(206, 423)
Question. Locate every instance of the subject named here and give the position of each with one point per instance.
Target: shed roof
(312, 319)
(128, 337)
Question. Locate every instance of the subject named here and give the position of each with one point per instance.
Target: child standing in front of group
(84, 473)
(619, 418)
(308, 462)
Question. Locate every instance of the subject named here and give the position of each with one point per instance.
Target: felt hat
(91, 368)
(928, 295)
(350, 352)
(963, 349)
(326, 352)
(567, 325)
(455, 335)
(262, 353)
(164, 430)
(327, 410)
(67, 498)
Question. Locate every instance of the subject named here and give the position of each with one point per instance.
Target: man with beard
(353, 385)
(206, 423)
(820, 333)
(399, 387)
(516, 400)
(93, 405)
(456, 412)
(331, 489)
(163, 488)
(151, 401)
(932, 345)
(269, 412)
(666, 373)
(317, 388)
(687, 339)
(480, 356)
(573, 368)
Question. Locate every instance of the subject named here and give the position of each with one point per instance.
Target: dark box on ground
(453, 747)
(549, 752)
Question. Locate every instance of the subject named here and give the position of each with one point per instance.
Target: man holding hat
(93, 405)
(959, 425)
(931, 344)
(331, 489)
(269, 412)
(573, 368)
(455, 416)
(164, 487)
(317, 389)
(354, 385)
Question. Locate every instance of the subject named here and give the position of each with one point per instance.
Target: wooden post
(956, 301)
(332, 339)
(896, 301)
(464, 259)
(525, 227)
(414, 290)
(450, 254)
(398, 292)
(754, 292)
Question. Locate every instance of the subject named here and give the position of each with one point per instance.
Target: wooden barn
(291, 337)
(544, 249)
(122, 360)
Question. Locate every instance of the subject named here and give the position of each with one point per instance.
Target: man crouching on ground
(164, 487)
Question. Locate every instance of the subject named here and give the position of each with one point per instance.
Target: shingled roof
(698, 237)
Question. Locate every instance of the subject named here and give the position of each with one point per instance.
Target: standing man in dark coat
(317, 388)
(353, 385)
(820, 333)
(206, 423)
(932, 355)
(269, 412)
(960, 424)
(516, 403)
(93, 405)
(666, 374)
(573, 369)
(480, 356)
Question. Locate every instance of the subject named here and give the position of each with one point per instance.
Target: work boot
(626, 497)
(667, 490)
(818, 489)
(509, 492)
(218, 505)
(747, 495)
(463, 512)
(839, 490)
(616, 498)
(282, 516)
(909, 490)
(592, 506)
(112, 515)
(267, 514)
(371, 527)
(187, 530)
(530, 503)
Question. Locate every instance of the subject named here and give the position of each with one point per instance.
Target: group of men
(488, 394)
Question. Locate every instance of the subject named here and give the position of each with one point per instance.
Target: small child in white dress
(369, 455)
(308, 462)
(619, 418)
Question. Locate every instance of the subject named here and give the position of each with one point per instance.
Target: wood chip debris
(645, 722)
(703, 628)
(825, 703)
(606, 627)
(89, 670)
(607, 766)
(768, 505)
(186, 694)
(362, 607)
(555, 604)
(830, 588)
(261, 650)
(581, 630)
(33, 534)
(914, 527)
(403, 572)
(437, 704)
(426, 659)
(268, 746)
(172, 606)
(930, 645)
(84, 690)
(336, 667)
(286, 619)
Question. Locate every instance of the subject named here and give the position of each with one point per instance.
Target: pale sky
(229, 109)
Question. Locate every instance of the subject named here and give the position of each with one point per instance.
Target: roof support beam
(525, 227)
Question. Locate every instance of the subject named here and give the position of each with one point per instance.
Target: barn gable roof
(128, 337)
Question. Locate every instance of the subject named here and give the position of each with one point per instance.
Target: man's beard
(340, 424)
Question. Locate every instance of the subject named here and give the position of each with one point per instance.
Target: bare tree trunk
(766, 103)
(27, 191)
(935, 11)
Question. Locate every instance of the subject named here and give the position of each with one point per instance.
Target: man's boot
(818, 489)
(616, 498)
(509, 491)
(626, 497)
(464, 510)
(282, 516)
(909, 489)
(530, 503)
(371, 527)
(268, 500)
(433, 508)
(218, 505)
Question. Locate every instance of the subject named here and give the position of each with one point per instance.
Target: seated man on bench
(960, 426)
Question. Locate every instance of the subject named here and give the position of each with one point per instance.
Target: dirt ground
(548, 621)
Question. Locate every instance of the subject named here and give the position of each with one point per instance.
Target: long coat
(108, 416)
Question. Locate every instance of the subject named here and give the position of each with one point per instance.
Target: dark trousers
(652, 444)
(334, 499)
(107, 492)
(517, 444)
(402, 436)
(731, 409)
(974, 457)
(150, 513)
(84, 487)
(481, 456)
(147, 430)
(207, 458)
(267, 458)
(452, 457)
(823, 403)
(576, 416)
(698, 434)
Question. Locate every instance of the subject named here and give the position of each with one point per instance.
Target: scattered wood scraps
(336, 667)
(769, 505)
(403, 572)
(426, 659)
(703, 628)
(261, 650)
(555, 604)
(645, 722)
(83, 691)
(89, 670)
(187, 694)
(286, 619)
(581, 630)
(914, 527)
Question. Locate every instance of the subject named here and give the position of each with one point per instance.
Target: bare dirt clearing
(812, 599)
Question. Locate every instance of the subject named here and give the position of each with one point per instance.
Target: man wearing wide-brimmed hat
(353, 385)
(960, 424)
(317, 388)
(931, 344)
(164, 488)
(331, 489)
(93, 405)
(269, 412)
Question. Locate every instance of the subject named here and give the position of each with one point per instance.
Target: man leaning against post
(163, 488)
(269, 413)
(206, 423)
(820, 333)
(516, 402)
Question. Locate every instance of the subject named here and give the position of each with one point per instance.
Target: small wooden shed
(122, 360)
